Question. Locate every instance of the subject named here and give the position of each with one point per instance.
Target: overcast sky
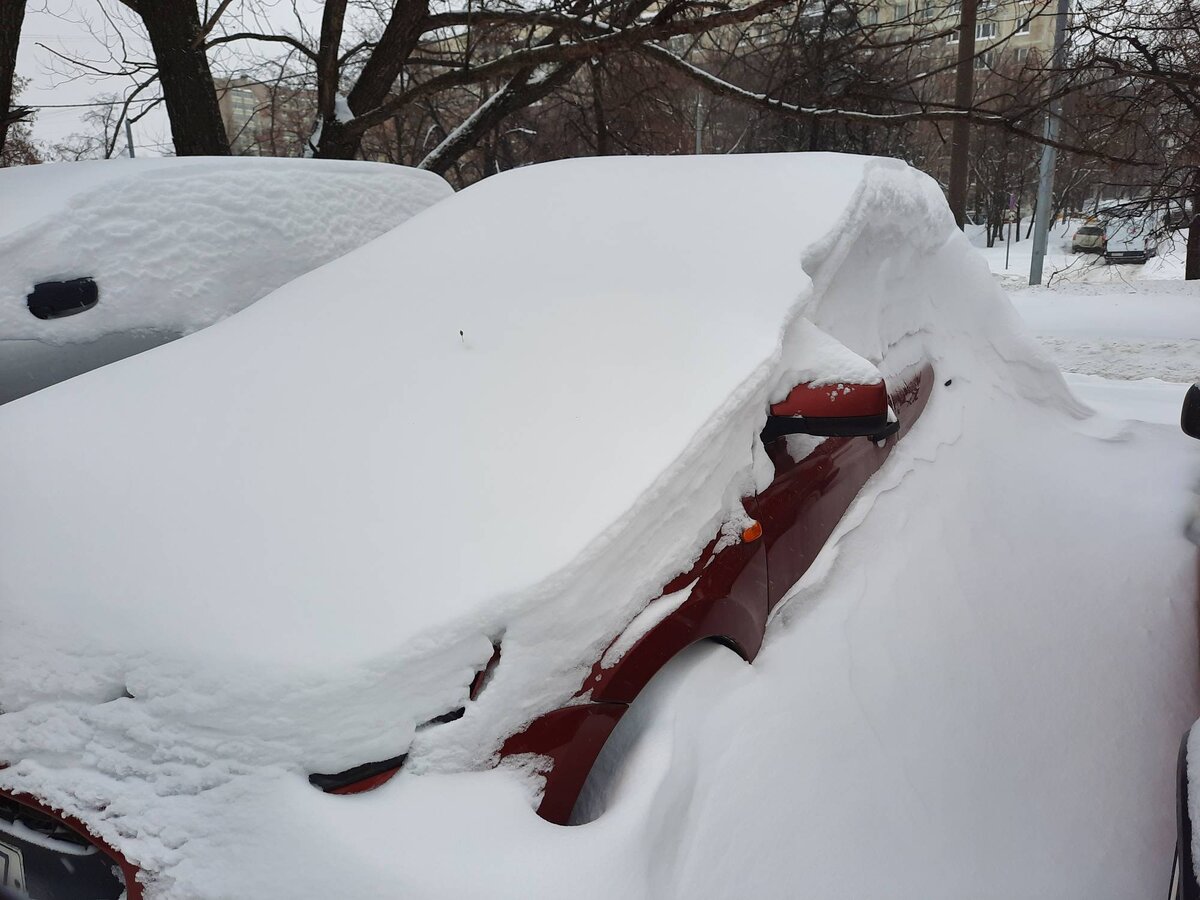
(60, 100)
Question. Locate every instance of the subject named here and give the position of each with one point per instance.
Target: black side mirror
(56, 299)
(1189, 421)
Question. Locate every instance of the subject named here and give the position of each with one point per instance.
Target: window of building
(900, 10)
(984, 60)
(871, 16)
(1022, 54)
(1023, 27)
(927, 10)
(984, 30)
(952, 37)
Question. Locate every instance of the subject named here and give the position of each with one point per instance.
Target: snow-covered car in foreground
(100, 260)
(428, 518)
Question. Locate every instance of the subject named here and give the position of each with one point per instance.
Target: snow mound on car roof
(177, 244)
(511, 420)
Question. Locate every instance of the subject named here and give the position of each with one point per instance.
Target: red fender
(133, 887)
(728, 603)
(571, 738)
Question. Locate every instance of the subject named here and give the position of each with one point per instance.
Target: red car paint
(735, 591)
(367, 784)
(836, 399)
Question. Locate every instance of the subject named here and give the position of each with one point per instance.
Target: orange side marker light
(752, 532)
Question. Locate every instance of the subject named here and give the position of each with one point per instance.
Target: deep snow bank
(512, 419)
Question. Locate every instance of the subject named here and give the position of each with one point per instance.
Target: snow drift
(510, 420)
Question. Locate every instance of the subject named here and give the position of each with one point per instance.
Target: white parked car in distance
(1131, 239)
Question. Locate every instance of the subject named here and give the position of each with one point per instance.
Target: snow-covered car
(100, 260)
(1088, 238)
(430, 517)
(1131, 238)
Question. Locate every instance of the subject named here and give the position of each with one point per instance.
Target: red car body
(735, 593)
(737, 585)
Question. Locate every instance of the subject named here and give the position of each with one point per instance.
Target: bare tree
(1139, 61)
(12, 14)
(177, 38)
(19, 148)
(398, 62)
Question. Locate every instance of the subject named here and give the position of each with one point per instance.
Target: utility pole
(964, 97)
(1041, 216)
(699, 122)
(129, 137)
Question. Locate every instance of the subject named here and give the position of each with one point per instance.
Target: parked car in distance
(1130, 239)
(1088, 239)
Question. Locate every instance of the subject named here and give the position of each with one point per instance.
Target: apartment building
(1008, 33)
(265, 119)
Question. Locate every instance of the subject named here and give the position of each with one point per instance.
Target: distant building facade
(1008, 33)
(265, 119)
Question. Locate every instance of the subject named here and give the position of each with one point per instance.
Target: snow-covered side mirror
(835, 392)
(839, 409)
(1189, 421)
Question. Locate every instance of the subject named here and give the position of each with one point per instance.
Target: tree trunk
(399, 39)
(964, 96)
(188, 90)
(1191, 266)
(525, 88)
(521, 91)
(601, 121)
(12, 14)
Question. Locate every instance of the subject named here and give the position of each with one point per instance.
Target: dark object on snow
(1189, 418)
(360, 778)
(1183, 874)
(56, 299)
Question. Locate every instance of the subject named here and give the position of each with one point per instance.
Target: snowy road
(1125, 322)
(1151, 330)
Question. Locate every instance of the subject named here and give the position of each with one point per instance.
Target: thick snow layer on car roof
(440, 421)
(31, 192)
(177, 244)
(297, 533)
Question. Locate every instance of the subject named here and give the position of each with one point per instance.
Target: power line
(79, 105)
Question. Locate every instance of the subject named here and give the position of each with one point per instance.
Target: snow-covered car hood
(174, 245)
(279, 545)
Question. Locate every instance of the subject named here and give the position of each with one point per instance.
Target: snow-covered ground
(1126, 322)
